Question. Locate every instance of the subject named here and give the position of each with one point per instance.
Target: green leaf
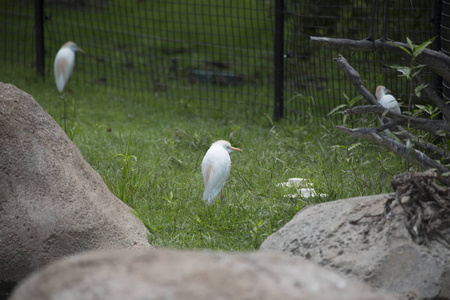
(355, 100)
(401, 47)
(419, 49)
(411, 45)
(395, 66)
(344, 120)
(334, 147)
(336, 109)
(410, 148)
(434, 115)
(418, 66)
(422, 107)
(346, 97)
(418, 89)
(407, 73)
(428, 109)
(354, 146)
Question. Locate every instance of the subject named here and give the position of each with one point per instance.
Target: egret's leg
(221, 196)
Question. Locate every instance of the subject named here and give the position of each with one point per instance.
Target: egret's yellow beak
(235, 149)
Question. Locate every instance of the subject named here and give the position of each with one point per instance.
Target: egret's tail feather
(209, 196)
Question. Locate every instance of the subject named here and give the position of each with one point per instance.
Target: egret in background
(216, 168)
(386, 100)
(64, 63)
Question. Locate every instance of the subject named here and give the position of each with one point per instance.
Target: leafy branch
(411, 147)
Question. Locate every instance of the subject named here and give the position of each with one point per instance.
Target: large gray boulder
(52, 203)
(353, 237)
(167, 274)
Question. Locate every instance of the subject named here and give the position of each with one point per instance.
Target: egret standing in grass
(386, 100)
(64, 63)
(216, 168)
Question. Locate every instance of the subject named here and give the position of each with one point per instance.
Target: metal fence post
(39, 28)
(445, 43)
(278, 59)
(436, 20)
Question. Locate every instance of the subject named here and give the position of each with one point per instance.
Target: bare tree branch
(435, 60)
(416, 157)
(434, 126)
(355, 78)
(428, 148)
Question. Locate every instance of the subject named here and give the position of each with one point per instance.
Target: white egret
(216, 168)
(64, 63)
(386, 100)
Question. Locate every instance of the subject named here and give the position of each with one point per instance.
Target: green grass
(150, 155)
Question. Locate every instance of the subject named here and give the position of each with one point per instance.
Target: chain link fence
(219, 55)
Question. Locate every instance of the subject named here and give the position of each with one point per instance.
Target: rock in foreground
(166, 274)
(52, 203)
(353, 237)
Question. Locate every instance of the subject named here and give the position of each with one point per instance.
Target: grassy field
(150, 154)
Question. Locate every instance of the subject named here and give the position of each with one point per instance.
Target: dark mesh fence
(16, 33)
(218, 55)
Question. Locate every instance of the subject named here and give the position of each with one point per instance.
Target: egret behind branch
(64, 63)
(386, 100)
(216, 167)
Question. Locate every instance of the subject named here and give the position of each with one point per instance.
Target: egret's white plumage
(386, 100)
(216, 168)
(64, 63)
